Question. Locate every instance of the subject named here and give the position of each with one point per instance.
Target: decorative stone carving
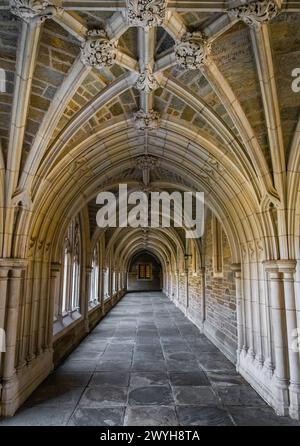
(29, 10)
(192, 51)
(147, 162)
(146, 13)
(257, 13)
(147, 82)
(98, 51)
(147, 121)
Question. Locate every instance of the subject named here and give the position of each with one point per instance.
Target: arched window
(94, 293)
(66, 273)
(71, 269)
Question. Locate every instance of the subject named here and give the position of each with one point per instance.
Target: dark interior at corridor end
(145, 273)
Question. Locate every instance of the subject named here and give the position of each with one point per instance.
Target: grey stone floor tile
(121, 347)
(109, 365)
(203, 416)
(113, 356)
(259, 416)
(181, 356)
(71, 379)
(106, 416)
(39, 416)
(148, 348)
(193, 378)
(104, 396)
(148, 356)
(240, 395)
(151, 416)
(85, 355)
(144, 379)
(182, 366)
(192, 395)
(78, 365)
(91, 347)
(116, 378)
(146, 361)
(148, 365)
(211, 363)
(221, 378)
(151, 395)
(55, 396)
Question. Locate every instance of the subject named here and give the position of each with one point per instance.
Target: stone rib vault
(165, 96)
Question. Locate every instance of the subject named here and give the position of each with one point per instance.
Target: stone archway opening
(145, 273)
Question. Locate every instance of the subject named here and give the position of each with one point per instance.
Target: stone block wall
(220, 292)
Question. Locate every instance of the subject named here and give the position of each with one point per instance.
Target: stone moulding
(98, 51)
(147, 120)
(192, 51)
(146, 13)
(256, 13)
(29, 10)
(146, 81)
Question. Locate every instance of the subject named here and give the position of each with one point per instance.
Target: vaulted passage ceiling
(160, 95)
(200, 89)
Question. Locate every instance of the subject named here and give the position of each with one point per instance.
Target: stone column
(103, 272)
(278, 316)
(101, 288)
(88, 289)
(236, 268)
(43, 310)
(203, 303)
(87, 297)
(54, 296)
(109, 279)
(177, 285)
(117, 284)
(289, 269)
(186, 274)
(3, 298)
(14, 291)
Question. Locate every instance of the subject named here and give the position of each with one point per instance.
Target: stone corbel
(35, 10)
(256, 13)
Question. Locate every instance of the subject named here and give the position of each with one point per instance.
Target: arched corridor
(146, 364)
(109, 104)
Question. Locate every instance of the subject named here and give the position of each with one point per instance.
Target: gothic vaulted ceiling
(203, 88)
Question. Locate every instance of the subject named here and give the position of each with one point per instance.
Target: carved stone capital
(192, 51)
(146, 13)
(256, 13)
(147, 82)
(144, 121)
(29, 10)
(98, 51)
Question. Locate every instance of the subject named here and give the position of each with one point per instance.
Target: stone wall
(220, 294)
(212, 310)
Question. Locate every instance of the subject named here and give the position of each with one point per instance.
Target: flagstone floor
(145, 364)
